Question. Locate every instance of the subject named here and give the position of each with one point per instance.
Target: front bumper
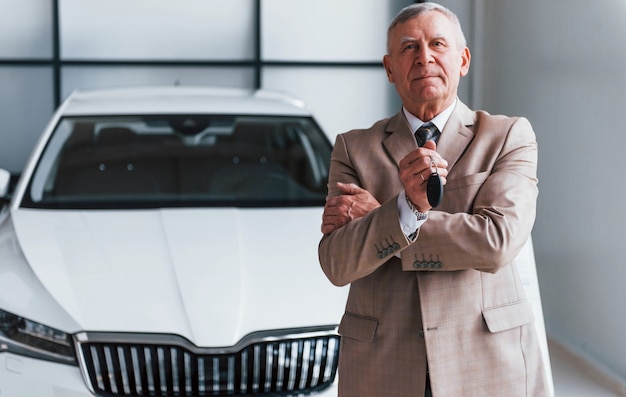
(26, 377)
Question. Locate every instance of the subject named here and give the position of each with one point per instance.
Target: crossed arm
(355, 202)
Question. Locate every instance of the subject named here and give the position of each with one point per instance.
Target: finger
(328, 228)
(430, 145)
(418, 171)
(349, 188)
(331, 222)
(337, 215)
(411, 157)
(338, 205)
(419, 156)
(333, 201)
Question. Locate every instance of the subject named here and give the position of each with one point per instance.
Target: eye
(438, 43)
(408, 47)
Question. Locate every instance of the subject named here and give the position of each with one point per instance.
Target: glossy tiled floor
(572, 380)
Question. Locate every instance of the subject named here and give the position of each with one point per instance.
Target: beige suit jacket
(453, 304)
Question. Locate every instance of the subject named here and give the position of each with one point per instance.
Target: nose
(423, 55)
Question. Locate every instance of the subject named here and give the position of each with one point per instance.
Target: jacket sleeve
(362, 245)
(489, 209)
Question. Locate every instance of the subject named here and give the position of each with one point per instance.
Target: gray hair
(414, 10)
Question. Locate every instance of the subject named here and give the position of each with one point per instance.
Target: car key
(434, 187)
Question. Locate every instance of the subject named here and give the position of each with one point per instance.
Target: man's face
(425, 62)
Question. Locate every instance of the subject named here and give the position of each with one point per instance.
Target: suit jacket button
(421, 333)
(416, 265)
(438, 265)
(380, 255)
(396, 246)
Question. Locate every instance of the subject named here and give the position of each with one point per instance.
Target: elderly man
(436, 304)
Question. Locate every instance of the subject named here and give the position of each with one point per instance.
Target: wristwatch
(419, 215)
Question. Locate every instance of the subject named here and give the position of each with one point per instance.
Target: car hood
(210, 275)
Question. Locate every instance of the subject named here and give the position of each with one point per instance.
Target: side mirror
(5, 179)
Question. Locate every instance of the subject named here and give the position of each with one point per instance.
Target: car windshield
(181, 161)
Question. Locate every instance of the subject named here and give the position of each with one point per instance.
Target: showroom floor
(572, 380)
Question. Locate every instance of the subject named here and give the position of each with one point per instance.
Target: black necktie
(434, 188)
(427, 132)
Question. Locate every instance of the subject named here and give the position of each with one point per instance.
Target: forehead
(427, 25)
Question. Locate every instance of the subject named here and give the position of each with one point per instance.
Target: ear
(465, 61)
(387, 65)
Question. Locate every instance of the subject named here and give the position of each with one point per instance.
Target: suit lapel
(456, 134)
(400, 140)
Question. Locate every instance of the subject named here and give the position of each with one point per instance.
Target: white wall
(561, 64)
(348, 31)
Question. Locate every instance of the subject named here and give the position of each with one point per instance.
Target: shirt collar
(439, 120)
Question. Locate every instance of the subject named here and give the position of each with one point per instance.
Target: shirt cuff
(408, 220)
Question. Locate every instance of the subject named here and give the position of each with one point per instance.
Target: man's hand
(415, 168)
(353, 203)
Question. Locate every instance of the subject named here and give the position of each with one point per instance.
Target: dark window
(181, 161)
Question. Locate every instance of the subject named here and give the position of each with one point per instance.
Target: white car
(163, 242)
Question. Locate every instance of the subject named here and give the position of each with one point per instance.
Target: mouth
(427, 76)
(423, 79)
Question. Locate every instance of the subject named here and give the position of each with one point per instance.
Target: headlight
(21, 336)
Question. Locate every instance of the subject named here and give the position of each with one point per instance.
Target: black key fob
(434, 189)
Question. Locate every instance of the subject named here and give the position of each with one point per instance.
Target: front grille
(289, 363)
